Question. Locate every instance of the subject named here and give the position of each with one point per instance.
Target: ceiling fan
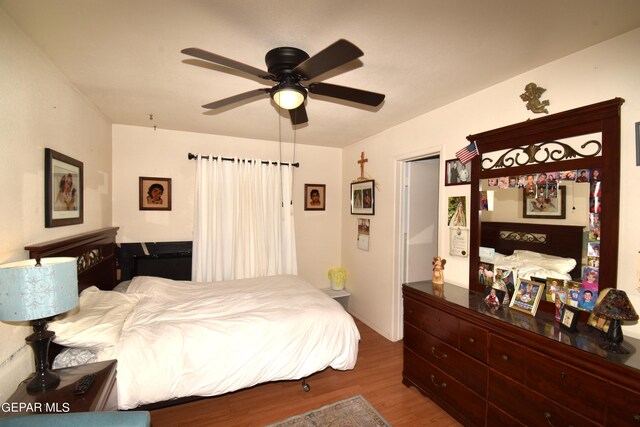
(289, 67)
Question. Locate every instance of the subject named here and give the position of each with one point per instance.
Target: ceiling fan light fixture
(289, 96)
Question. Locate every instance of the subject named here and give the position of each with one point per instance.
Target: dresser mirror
(548, 189)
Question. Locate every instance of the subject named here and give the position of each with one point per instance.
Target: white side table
(341, 296)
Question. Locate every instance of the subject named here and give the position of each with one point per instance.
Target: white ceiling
(124, 55)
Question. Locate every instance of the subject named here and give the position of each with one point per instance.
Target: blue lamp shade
(29, 291)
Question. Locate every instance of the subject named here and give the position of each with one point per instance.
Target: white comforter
(205, 339)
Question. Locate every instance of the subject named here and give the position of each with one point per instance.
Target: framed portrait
(544, 205)
(456, 173)
(526, 296)
(637, 143)
(314, 197)
(363, 198)
(63, 190)
(569, 319)
(155, 194)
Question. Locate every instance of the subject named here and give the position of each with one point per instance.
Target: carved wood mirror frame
(531, 136)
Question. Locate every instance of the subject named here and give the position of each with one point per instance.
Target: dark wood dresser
(503, 367)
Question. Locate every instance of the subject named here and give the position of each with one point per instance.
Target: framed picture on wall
(314, 197)
(63, 190)
(363, 198)
(545, 205)
(155, 194)
(456, 172)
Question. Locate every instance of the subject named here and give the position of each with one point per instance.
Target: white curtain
(243, 224)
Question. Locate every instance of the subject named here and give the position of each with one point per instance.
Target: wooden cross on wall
(362, 161)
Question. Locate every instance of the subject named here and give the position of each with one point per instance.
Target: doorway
(421, 218)
(417, 231)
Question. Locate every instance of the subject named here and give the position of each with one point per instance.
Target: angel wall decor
(531, 96)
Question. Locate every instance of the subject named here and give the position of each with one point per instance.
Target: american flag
(467, 153)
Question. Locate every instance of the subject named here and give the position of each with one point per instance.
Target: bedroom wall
(38, 109)
(140, 151)
(599, 73)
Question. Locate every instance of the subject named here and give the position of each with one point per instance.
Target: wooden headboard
(94, 250)
(559, 240)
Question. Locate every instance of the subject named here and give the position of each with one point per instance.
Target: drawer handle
(433, 381)
(472, 340)
(562, 375)
(505, 357)
(547, 416)
(438, 356)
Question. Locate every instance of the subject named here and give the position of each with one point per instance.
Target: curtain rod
(192, 156)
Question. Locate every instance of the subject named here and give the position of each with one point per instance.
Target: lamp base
(614, 347)
(39, 342)
(614, 338)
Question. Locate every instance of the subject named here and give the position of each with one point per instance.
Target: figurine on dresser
(438, 270)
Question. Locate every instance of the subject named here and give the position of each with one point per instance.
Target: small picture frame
(569, 320)
(314, 197)
(63, 190)
(637, 143)
(545, 207)
(456, 173)
(527, 295)
(155, 194)
(598, 322)
(363, 198)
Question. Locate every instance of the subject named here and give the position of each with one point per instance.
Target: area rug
(352, 412)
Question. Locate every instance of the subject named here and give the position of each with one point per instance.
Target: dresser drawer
(623, 407)
(531, 408)
(453, 396)
(562, 382)
(448, 359)
(473, 340)
(508, 358)
(432, 320)
(497, 418)
(414, 312)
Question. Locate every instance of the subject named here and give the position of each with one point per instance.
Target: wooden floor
(377, 376)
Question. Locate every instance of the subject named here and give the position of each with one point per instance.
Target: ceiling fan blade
(331, 57)
(299, 115)
(237, 98)
(221, 60)
(347, 93)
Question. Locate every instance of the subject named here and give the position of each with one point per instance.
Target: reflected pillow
(550, 262)
(96, 322)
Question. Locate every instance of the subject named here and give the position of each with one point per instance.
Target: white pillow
(550, 262)
(96, 322)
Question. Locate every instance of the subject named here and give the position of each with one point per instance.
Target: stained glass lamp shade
(615, 306)
(32, 290)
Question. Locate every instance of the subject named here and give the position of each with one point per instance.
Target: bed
(175, 339)
(536, 250)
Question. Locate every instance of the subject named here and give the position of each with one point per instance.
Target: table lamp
(615, 306)
(35, 290)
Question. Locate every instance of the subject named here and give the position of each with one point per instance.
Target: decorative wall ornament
(531, 95)
(541, 153)
(522, 236)
(89, 259)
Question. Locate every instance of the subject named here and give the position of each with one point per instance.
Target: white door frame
(396, 330)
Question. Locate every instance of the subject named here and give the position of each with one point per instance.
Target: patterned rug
(352, 412)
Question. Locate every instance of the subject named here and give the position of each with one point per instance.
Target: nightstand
(341, 296)
(102, 396)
